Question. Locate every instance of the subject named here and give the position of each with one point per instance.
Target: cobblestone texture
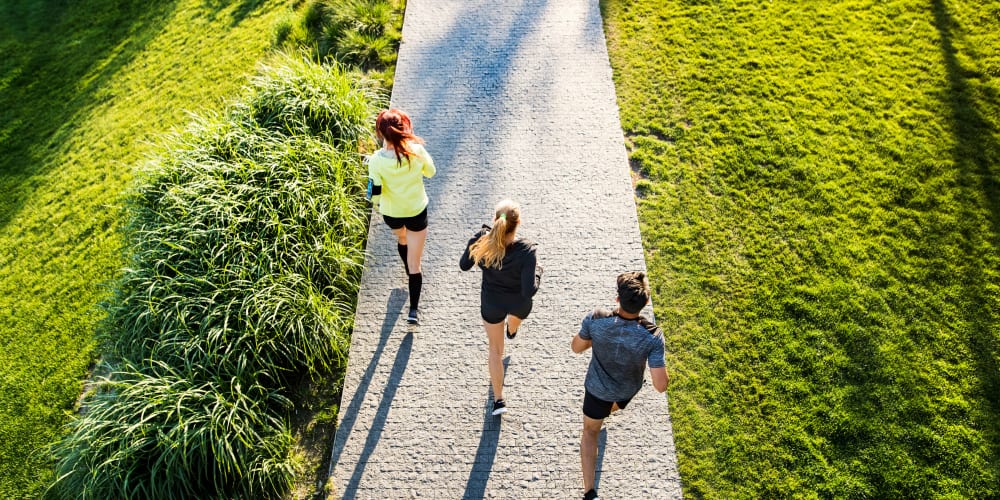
(514, 99)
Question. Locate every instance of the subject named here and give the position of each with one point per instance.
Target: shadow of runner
(398, 367)
(486, 452)
(397, 297)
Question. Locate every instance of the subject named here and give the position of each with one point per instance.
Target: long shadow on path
(477, 83)
(486, 452)
(397, 297)
(395, 376)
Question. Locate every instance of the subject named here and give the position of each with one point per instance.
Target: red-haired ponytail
(394, 126)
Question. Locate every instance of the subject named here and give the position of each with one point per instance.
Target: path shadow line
(397, 297)
(375, 433)
(486, 452)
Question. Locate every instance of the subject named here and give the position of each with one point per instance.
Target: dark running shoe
(499, 407)
(412, 318)
(510, 334)
(591, 495)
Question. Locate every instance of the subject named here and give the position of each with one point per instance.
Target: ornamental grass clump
(363, 34)
(298, 97)
(226, 251)
(245, 246)
(170, 435)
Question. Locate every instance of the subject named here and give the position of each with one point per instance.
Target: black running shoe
(510, 334)
(591, 495)
(499, 407)
(412, 318)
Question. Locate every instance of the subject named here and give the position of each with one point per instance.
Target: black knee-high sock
(416, 282)
(402, 255)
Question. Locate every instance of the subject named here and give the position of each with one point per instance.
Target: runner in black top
(510, 279)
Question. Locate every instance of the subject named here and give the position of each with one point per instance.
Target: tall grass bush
(176, 435)
(245, 244)
(363, 34)
(299, 98)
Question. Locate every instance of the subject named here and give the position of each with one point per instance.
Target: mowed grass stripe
(819, 206)
(85, 88)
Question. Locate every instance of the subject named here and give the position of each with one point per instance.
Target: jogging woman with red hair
(395, 182)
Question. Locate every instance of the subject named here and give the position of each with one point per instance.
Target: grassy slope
(821, 216)
(83, 86)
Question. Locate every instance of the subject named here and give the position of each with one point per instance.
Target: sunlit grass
(85, 88)
(821, 219)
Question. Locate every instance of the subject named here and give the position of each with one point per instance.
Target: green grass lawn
(85, 88)
(820, 208)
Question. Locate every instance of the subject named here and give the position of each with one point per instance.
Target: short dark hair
(633, 291)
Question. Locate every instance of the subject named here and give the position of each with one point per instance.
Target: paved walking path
(514, 99)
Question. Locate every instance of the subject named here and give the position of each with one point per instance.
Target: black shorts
(495, 312)
(597, 408)
(416, 223)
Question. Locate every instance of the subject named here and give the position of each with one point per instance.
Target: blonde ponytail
(490, 248)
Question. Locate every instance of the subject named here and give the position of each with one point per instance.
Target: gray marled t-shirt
(622, 348)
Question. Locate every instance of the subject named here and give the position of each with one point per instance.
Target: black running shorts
(416, 223)
(597, 408)
(496, 312)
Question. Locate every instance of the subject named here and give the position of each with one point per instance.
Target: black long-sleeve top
(515, 280)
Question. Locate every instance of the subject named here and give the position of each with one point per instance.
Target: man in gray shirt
(623, 344)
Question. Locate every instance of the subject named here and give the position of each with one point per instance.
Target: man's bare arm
(580, 345)
(660, 378)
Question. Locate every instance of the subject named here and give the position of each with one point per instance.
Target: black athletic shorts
(495, 312)
(416, 223)
(597, 408)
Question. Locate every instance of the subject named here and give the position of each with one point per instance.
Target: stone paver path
(514, 99)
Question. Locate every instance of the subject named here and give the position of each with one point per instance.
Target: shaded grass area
(85, 86)
(819, 207)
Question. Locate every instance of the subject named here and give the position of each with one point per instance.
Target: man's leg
(588, 450)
